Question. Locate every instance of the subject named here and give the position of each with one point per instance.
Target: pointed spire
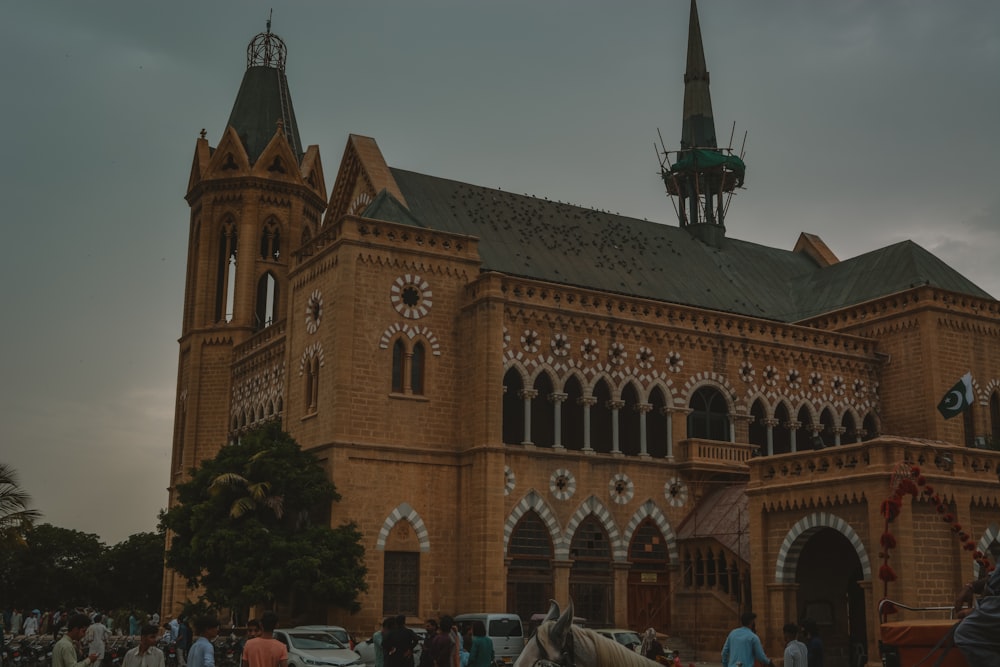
(698, 130)
(264, 99)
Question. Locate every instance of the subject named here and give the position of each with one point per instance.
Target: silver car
(313, 648)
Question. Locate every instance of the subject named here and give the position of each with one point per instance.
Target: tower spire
(698, 130)
(703, 176)
(264, 98)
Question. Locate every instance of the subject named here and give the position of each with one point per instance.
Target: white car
(314, 648)
(367, 650)
(339, 633)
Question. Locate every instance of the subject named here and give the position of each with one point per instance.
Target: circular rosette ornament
(621, 488)
(314, 311)
(562, 484)
(589, 349)
(529, 341)
(411, 296)
(560, 345)
(676, 492)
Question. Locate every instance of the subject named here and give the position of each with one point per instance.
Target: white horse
(559, 643)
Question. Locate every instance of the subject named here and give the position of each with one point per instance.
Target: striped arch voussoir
(798, 536)
(404, 513)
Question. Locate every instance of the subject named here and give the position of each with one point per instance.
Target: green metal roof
(263, 100)
(560, 243)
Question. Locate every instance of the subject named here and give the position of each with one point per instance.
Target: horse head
(552, 645)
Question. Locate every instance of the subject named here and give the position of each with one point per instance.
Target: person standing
(146, 654)
(265, 650)
(441, 645)
(796, 654)
(96, 636)
(397, 646)
(31, 624)
(431, 630)
(64, 652)
(202, 653)
(133, 624)
(481, 650)
(16, 619)
(378, 639)
(743, 645)
(183, 641)
(650, 648)
(814, 644)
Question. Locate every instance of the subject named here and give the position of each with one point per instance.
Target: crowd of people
(803, 644)
(445, 644)
(31, 622)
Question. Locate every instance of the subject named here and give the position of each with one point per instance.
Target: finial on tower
(266, 49)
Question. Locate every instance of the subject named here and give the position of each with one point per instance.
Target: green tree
(252, 526)
(15, 517)
(134, 572)
(56, 567)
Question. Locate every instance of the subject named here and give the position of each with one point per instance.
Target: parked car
(504, 630)
(341, 634)
(314, 648)
(627, 638)
(367, 650)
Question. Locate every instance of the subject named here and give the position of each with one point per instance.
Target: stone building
(521, 399)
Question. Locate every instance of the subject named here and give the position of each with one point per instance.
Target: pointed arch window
(270, 242)
(513, 408)
(408, 367)
(311, 385)
(995, 420)
(709, 417)
(266, 309)
(225, 288)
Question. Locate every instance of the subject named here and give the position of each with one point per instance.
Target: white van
(504, 629)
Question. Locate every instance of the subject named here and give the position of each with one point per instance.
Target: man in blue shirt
(743, 646)
(202, 652)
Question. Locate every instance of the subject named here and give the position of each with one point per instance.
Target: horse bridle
(567, 658)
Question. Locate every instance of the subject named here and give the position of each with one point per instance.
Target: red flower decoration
(888, 540)
(949, 517)
(886, 573)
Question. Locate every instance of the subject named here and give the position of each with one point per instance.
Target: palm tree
(257, 492)
(15, 516)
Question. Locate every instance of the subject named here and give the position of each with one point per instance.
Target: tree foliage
(252, 526)
(15, 517)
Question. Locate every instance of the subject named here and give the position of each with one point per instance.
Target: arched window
(757, 431)
(591, 580)
(270, 242)
(311, 385)
(969, 420)
(995, 420)
(600, 418)
(656, 425)
(781, 435)
(417, 368)
(225, 287)
(513, 408)
(870, 427)
(542, 422)
(267, 301)
(804, 434)
(572, 415)
(628, 421)
(398, 351)
(530, 578)
(827, 435)
(709, 417)
(850, 427)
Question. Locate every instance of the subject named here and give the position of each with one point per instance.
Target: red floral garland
(911, 482)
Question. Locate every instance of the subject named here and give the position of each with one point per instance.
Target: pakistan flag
(958, 399)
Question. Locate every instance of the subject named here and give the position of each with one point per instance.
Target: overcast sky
(868, 123)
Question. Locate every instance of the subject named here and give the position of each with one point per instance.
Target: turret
(701, 175)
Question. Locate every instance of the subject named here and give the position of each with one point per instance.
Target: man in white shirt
(145, 654)
(796, 653)
(96, 636)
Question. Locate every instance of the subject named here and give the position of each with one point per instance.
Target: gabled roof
(887, 270)
(722, 515)
(536, 238)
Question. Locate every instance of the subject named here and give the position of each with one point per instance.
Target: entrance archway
(649, 578)
(828, 569)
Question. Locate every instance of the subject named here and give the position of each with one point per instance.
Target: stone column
(669, 414)
(616, 407)
(620, 594)
(560, 576)
(643, 409)
(837, 432)
(793, 426)
(557, 399)
(587, 402)
(770, 424)
(527, 395)
(739, 425)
